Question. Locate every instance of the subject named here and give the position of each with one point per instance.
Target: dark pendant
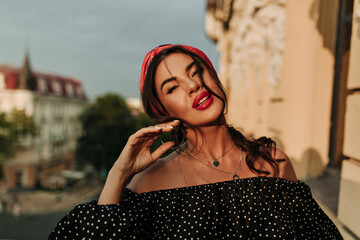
(236, 177)
(216, 163)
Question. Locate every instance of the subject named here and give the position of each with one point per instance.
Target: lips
(202, 101)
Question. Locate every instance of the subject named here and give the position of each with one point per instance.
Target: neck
(211, 141)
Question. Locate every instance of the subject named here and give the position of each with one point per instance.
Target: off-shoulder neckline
(195, 187)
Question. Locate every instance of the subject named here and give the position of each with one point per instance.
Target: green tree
(7, 139)
(21, 124)
(13, 127)
(107, 124)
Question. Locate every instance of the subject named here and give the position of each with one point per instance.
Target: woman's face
(179, 88)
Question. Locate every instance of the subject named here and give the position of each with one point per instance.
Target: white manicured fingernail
(170, 126)
(176, 120)
(157, 127)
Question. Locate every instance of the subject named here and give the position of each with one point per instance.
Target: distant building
(55, 102)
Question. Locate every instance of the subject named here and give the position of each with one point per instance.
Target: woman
(217, 184)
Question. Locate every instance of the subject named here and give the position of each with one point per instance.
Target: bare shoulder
(154, 177)
(286, 169)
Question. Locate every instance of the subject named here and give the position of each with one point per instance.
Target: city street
(40, 212)
(28, 227)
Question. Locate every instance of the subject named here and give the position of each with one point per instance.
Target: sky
(101, 43)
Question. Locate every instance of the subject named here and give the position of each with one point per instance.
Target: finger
(158, 129)
(144, 132)
(150, 141)
(172, 124)
(166, 128)
(144, 141)
(169, 126)
(161, 150)
(152, 130)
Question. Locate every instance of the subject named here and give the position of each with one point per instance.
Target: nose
(191, 86)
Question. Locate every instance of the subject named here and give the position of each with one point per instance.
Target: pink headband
(152, 53)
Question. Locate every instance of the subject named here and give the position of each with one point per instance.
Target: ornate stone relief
(256, 32)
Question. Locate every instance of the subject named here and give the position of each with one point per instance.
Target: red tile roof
(50, 81)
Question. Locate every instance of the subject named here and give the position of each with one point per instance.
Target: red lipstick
(203, 101)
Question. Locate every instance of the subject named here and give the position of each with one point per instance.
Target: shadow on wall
(279, 143)
(309, 165)
(315, 165)
(324, 14)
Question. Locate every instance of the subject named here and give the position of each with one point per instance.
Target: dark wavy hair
(254, 148)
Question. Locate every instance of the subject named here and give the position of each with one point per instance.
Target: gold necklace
(197, 172)
(215, 162)
(212, 167)
(181, 172)
(239, 166)
(235, 175)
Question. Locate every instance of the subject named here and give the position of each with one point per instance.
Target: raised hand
(136, 155)
(134, 158)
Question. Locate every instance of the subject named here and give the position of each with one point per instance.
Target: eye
(198, 70)
(194, 73)
(171, 90)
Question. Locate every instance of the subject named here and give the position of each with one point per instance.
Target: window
(69, 89)
(57, 87)
(42, 85)
(2, 81)
(79, 90)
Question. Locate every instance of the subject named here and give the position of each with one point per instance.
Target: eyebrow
(188, 67)
(166, 81)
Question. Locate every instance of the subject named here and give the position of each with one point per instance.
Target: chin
(211, 119)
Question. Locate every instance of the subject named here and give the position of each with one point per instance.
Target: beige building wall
(307, 83)
(277, 64)
(349, 205)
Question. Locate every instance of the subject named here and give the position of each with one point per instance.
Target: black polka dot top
(250, 208)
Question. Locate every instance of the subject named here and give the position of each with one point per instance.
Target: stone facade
(279, 82)
(251, 58)
(291, 73)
